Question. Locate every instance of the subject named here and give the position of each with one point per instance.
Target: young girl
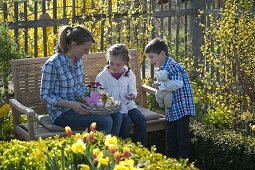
(120, 82)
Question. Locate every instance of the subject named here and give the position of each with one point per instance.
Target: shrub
(214, 148)
(220, 117)
(9, 50)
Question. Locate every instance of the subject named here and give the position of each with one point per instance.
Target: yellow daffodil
(117, 156)
(4, 110)
(247, 116)
(120, 167)
(77, 136)
(109, 140)
(79, 146)
(88, 137)
(112, 149)
(126, 152)
(127, 162)
(253, 128)
(39, 154)
(104, 161)
(41, 146)
(84, 167)
(97, 153)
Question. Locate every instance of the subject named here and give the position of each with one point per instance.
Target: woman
(62, 82)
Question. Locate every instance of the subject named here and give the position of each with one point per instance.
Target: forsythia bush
(89, 150)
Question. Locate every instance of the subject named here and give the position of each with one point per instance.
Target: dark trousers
(178, 138)
(138, 119)
(81, 122)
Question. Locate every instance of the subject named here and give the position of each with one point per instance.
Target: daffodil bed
(89, 150)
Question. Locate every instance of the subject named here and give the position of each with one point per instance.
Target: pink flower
(93, 98)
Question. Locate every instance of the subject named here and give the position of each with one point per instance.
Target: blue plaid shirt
(61, 81)
(183, 100)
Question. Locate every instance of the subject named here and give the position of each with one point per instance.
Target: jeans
(137, 118)
(117, 119)
(79, 121)
(178, 138)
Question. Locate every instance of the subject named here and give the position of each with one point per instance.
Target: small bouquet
(98, 101)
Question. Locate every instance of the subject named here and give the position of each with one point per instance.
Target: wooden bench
(27, 79)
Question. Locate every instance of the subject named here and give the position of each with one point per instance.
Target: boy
(178, 115)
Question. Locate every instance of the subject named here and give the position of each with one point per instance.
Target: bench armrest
(21, 108)
(17, 110)
(146, 89)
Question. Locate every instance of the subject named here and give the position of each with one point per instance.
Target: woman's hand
(77, 106)
(130, 96)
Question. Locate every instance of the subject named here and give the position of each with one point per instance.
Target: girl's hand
(130, 96)
(78, 107)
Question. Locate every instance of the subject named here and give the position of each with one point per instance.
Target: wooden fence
(175, 20)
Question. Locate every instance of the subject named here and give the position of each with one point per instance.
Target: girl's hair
(120, 51)
(156, 46)
(67, 34)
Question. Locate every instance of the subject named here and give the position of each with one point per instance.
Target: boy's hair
(156, 46)
(120, 51)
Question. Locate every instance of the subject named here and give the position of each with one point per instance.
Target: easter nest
(100, 110)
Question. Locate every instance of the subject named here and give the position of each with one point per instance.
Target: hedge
(214, 148)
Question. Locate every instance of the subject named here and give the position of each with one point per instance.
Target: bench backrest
(27, 77)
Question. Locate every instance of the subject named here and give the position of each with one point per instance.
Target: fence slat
(64, 8)
(16, 18)
(55, 17)
(25, 29)
(5, 11)
(35, 30)
(44, 31)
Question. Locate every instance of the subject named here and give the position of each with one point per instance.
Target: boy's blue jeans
(138, 119)
(178, 138)
(79, 121)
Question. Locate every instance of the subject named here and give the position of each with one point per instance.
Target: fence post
(196, 33)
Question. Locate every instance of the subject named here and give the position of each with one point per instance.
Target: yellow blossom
(127, 162)
(247, 116)
(120, 167)
(126, 152)
(109, 140)
(117, 156)
(112, 149)
(4, 110)
(84, 167)
(97, 153)
(79, 146)
(41, 146)
(39, 154)
(253, 128)
(104, 161)
(77, 136)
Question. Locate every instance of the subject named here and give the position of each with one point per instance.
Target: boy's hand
(156, 84)
(130, 96)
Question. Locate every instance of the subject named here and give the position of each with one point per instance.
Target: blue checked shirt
(183, 100)
(61, 81)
